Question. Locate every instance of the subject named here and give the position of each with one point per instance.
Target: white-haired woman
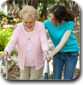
(30, 37)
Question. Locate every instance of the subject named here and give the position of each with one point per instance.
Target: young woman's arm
(62, 43)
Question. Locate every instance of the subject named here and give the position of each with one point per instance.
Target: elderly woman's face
(29, 24)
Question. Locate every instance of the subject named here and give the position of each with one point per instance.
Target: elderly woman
(31, 40)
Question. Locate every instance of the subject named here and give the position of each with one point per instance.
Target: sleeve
(12, 43)
(70, 26)
(43, 38)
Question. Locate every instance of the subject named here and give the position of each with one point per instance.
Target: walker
(1, 60)
(46, 68)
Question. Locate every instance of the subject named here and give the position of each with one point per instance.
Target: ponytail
(70, 15)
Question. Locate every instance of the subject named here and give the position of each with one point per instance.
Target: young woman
(30, 37)
(60, 27)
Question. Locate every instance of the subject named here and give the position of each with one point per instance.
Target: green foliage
(48, 1)
(78, 20)
(1, 52)
(10, 18)
(2, 14)
(5, 35)
(51, 76)
(70, 0)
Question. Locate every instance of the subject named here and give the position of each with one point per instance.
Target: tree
(67, 5)
(45, 5)
(72, 5)
(45, 10)
(75, 9)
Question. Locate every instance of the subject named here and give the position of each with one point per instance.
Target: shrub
(2, 15)
(1, 52)
(5, 35)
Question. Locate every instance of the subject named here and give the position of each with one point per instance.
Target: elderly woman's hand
(4, 55)
(46, 55)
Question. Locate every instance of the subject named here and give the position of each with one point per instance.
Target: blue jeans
(67, 59)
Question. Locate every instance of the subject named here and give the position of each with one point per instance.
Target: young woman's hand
(4, 55)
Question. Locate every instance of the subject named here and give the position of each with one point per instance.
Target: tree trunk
(45, 10)
(66, 2)
(14, 4)
(23, 2)
(20, 4)
(35, 4)
(75, 10)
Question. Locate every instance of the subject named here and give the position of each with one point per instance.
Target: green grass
(1, 52)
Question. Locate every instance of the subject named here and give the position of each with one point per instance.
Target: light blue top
(56, 33)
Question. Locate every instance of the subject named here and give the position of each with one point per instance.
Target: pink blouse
(29, 56)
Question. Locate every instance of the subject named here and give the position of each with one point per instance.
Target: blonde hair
(29, 13)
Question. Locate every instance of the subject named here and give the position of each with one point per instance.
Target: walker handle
(46, 69)
(2, 59)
